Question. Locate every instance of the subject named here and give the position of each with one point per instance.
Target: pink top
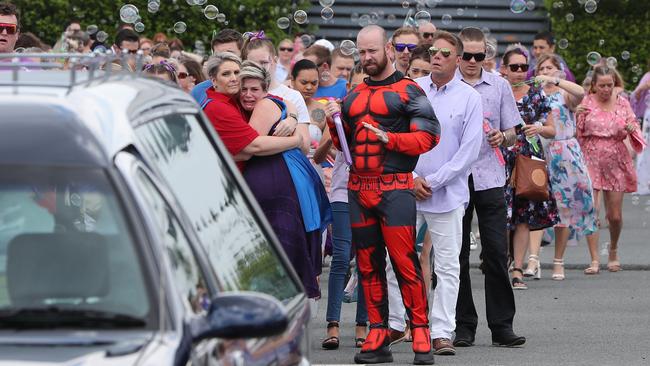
(602, 123)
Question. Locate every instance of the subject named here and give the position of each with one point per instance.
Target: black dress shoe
(463, 339)
(507, 339)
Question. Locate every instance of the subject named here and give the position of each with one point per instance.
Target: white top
(294, 97)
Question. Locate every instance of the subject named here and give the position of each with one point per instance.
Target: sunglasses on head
(427, 34)
(400, 47)
(9, 28)
(182, 75)
(287, 49)
(480, 56)
(446, 52)
(515, 67)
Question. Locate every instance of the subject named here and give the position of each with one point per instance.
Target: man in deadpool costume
(388, 123)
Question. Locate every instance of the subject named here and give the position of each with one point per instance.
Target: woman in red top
(223, 110)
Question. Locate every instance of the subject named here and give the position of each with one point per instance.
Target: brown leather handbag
(530, 179)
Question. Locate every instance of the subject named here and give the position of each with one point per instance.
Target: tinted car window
(238, 250)
(64, 243)
(187, 275)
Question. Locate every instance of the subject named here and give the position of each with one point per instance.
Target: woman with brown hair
(605, 120)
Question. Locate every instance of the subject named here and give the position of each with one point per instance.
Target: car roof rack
(83, 68)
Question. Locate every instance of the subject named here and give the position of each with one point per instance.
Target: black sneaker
(423, 358)
(507, 339)
(380, 355)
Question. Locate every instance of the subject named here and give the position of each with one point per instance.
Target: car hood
(73, 348)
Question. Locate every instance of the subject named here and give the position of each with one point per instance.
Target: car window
(188, 278)
(64, 244)
(238, 249)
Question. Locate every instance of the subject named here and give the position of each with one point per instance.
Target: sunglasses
(286, 49)
(480, 56)
(427, 34)
(10, 28)
(446, 52)
(515, 67)
(133, 52)
(400, 47)
(182, 75)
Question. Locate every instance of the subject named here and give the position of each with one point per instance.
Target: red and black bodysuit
(380, 189)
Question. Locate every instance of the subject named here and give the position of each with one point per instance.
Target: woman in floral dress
(570, 182)
(605, 120)
(525, 215)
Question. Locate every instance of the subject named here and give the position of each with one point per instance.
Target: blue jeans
(341, 244)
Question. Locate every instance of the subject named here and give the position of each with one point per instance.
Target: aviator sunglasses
(444, 51)
(9, 28)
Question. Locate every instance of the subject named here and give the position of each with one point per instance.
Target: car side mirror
(239, 315)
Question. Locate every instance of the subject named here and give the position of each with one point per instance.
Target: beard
(372, 68)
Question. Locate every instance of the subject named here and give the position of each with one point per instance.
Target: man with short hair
(342, 64)
(127, 41)
(388, 123)
(544, 43)
(9, 27)
(441, 181)
(486, 195)
(426, 30)
(328, 85)
(404, 41)
(228, 40)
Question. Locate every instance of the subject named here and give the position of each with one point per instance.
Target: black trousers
(490, 206)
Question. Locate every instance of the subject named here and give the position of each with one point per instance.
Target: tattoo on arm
(318, 115)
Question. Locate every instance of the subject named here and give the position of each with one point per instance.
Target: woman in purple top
(640, 101)
(524, 215)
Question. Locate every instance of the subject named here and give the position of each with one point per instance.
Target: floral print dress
(570, 182)
(533, 107)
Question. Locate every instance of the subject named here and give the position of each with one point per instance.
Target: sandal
(558, 276)
(358, 341)
(615, 265)
(518, 283)
(533, 270)
(593, 269)
(331, 342)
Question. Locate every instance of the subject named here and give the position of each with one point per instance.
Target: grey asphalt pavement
(584, 320)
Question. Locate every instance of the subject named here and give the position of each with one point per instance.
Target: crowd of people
(439, 130)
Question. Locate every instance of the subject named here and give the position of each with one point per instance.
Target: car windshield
(66, 254)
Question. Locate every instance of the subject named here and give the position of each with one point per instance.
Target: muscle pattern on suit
(380, 189)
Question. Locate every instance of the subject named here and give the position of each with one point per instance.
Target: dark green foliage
(624, 25)
(47, 18)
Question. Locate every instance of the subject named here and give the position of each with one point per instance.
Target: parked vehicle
(128, 237)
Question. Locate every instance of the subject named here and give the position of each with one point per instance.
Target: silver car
(127, 236)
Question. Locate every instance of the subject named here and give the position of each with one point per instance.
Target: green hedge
(47, 18)
(623, 25)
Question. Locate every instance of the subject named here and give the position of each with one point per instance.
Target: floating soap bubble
(593, 57)
(612, 62)
(180, 27)
(530, 5)
(153, 7)
(486, 31)
(391, 18)
(211, 12)
(200, 2)
(101, 36)
(92, 29)
(601, 42)
(563, 43)
(306, 40)
(635, 79)
(569, 17)
(460, 11)
(300, 16)
(327, 13)
(129, 13)
(364, 20)
(326, 3)
(635, 200)
(518, 6)
(591, 6)
(374, 18)
(405, 4)
(354, 17)
(558, 4)
(422, 17)
(221, 18)
(139, 27)
(625, 55)
(283, 22)
(636, 69)
(347, 47)
(325, 76)
(446, 19)
(490, 51)
(190, 2)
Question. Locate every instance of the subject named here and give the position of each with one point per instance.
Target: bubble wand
(339, 131)
(497, 151)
